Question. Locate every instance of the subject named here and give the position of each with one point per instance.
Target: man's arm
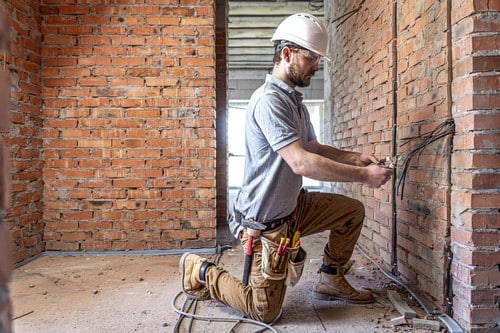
(338, 155)
(313, 165)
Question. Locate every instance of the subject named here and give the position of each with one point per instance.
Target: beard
(300, 80)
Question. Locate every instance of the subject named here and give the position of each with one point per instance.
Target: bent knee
(268, 316)
(358, 207)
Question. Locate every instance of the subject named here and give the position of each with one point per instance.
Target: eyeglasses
(312, 57)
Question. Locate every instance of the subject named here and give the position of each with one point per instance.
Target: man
(281, 148)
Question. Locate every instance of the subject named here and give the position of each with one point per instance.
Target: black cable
(344, 17)
(444, 129)
(449, 289)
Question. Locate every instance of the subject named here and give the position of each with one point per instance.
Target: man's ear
(286, 54)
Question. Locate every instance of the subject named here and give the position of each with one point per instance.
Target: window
(236, 139)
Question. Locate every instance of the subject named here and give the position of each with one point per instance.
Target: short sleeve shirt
(276, 117)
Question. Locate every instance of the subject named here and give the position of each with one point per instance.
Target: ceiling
(251, 25)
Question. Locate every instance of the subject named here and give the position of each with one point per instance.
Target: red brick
(483, 316)
(484, 220)
(162, 20)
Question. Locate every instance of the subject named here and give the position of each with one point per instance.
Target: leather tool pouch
(274, 266)
(288, 266)
(295, 265)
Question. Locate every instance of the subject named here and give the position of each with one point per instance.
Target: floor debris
(399, 321)
(400, 305)
(426, 324)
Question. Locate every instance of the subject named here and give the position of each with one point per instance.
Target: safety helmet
(305, 30)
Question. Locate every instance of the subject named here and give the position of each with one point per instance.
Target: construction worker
(281, 148)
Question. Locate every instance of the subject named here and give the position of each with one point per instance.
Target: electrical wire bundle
(444, 129)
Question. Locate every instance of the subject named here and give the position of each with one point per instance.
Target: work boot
(333, 286)
(192, 269)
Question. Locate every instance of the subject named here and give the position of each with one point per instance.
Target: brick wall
(24, 139)
(129, 124)
(450, 199)
(475, 215)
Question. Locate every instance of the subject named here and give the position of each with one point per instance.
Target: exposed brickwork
(438, 209)
(475, 215)
(129, 133)
(24, 217)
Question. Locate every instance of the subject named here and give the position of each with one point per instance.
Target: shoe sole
(182, 263)
(326, 297)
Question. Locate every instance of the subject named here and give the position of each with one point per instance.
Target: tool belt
(278, 264)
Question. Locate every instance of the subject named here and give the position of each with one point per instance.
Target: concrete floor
(135, 293)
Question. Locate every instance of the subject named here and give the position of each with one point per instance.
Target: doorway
(244, 58)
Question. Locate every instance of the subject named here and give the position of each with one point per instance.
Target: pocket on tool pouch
(273, 265)
(295, 265)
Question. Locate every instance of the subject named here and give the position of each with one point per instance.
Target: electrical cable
(449, 99)
(444, 129)
(218, 319)
(344, 17)
(449, 289)
(186, 306)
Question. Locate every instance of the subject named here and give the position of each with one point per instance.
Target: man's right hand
(377, 175)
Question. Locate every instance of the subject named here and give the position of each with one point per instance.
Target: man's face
(303, 67)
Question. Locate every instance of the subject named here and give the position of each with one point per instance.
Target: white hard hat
(305, 30)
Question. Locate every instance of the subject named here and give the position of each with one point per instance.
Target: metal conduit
(394, 257)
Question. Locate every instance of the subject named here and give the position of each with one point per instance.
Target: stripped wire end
(388, 162)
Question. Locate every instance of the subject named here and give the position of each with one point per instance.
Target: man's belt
(270, 225)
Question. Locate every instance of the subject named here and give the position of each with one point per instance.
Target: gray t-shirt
(276, 117)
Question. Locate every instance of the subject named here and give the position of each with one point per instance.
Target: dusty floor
(135, 293)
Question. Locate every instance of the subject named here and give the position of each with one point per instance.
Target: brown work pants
(315, 212)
